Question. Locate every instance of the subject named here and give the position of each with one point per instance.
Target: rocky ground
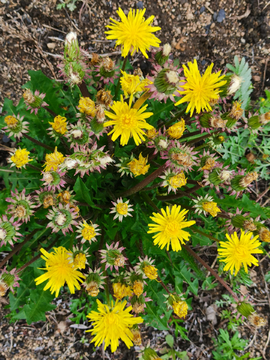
(32, 34)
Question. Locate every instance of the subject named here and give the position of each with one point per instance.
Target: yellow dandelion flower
(80, 261)
(20, 158)
(87, 106)
(59, 124)
(59, 271)
(121, 290)
(130, 84)
(88, 231)
(53, 160)
(112, 323)
(169, 227)
(237, 252)
(138, 287)
(11, 121)
(180, 308)
(200, 90)
(128, 122)
(177, 181)
(176, 130)
(133, 33)
(151, 272)
(211, 208)
(139, 167)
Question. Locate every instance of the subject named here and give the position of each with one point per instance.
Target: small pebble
(139, 5)
(221, 15)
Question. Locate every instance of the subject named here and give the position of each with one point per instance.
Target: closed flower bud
(245, 309)
(264, 234)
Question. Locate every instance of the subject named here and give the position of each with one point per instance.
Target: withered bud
(247, 179)
(217, 122)
(104, 97)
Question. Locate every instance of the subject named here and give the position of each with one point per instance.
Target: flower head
(128, 122)
(174, 180)
(20, 158)
(200, 90)
(121, 209)
(130, 84)
(139, 167)
(94, 280)
(59, 125)
(176, 130)
(238, 251)
(133, 33)
(113, 256)
(211, 208)
(112, 323)
(180, 308)
(146, 268)
(62, 218)
(21, 206)
(53, 160)
(8, 280)
(16, 126)
(168, 226)
(59, 271)
(87, 106)
(87, 232)
(8, 230)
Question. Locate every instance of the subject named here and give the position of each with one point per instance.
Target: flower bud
(245, 309)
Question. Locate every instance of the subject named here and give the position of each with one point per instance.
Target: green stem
(118, 84)
(222, 282)
(50, 111)
(201, 147)
(38, 142)
(144, 182)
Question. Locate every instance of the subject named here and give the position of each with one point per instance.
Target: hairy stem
(38, 142)
(222, 282)
(144, 182)
(84, 90)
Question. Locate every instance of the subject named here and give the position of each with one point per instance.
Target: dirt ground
(32, 34)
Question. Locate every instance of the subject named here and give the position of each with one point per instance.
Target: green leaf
(40, 303)
(170, 340)
(82, 192)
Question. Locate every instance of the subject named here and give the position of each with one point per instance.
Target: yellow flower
(11, 121)
(180, 308)
(200, 90)
(92, 288)
(53, 160)
(121, 290)
(130, 84)
(112, 323)
(79, 261)
(87, 106)
(138, 287)
(59, 124)
(176, 130)
(177, 181)
(134, 32)
(169, 227)
(211, 207)
(237, 252)
(138, 167)
(59, 271)
(88, 231)
(20, 158)
(128, 122)
(151, 272)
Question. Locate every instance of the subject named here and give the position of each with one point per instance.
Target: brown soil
(31, 36)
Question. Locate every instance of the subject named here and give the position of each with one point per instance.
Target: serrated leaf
(40, 303)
